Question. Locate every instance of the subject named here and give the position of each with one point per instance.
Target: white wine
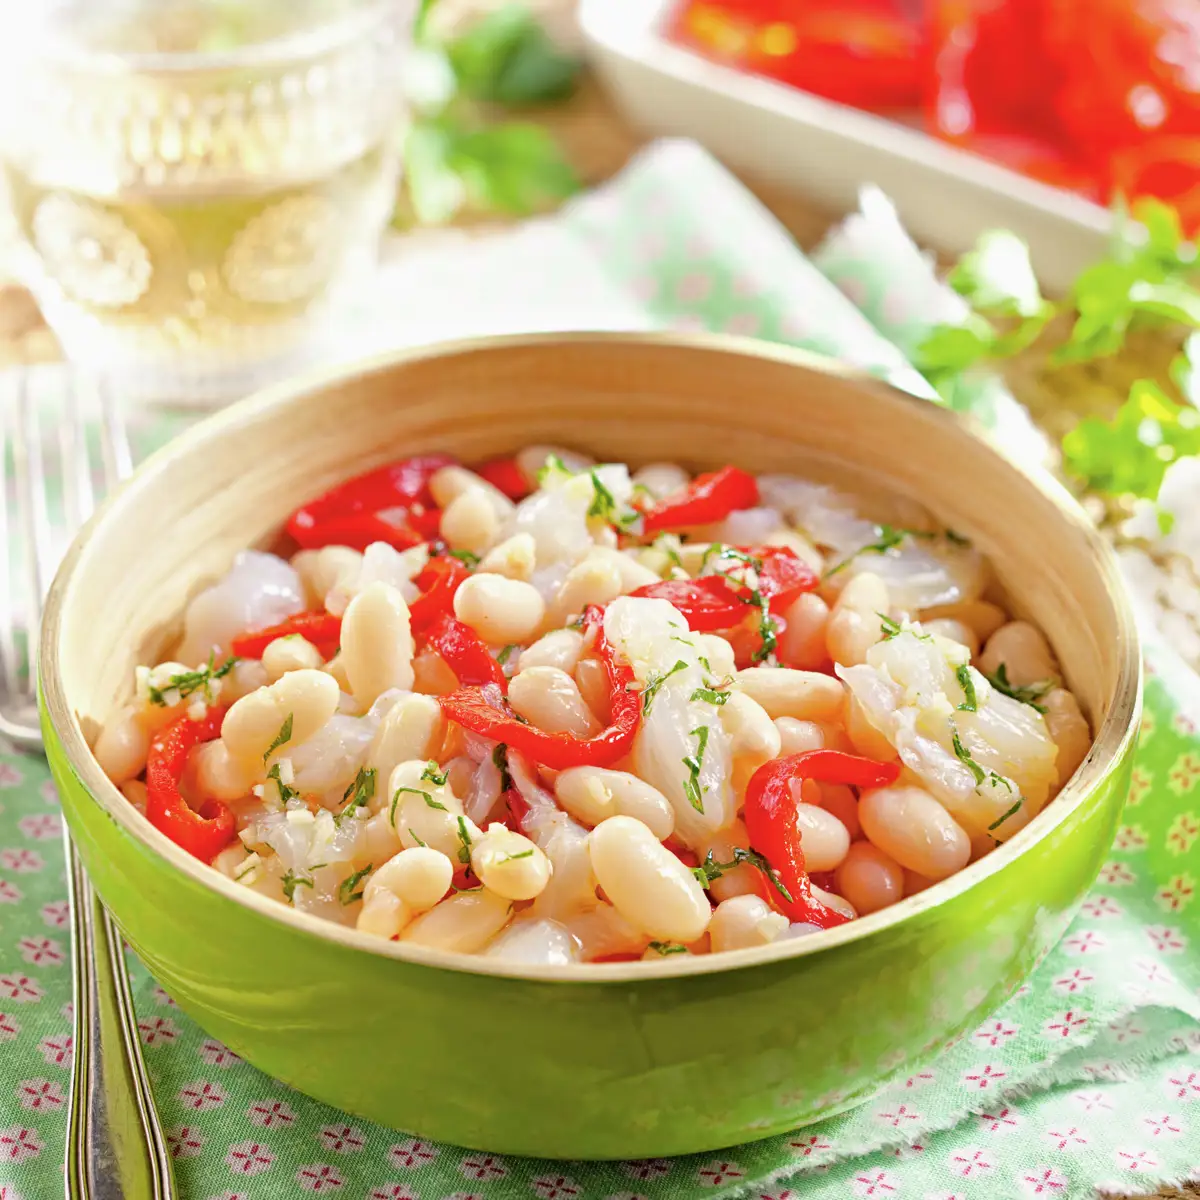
(198, 214)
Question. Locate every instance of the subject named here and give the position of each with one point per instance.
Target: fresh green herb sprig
(710, 870)
(348, 889)
(655, 682)
(693, 762)
(455, 158)
(187, 683)
(665, 948)
(1026, 695)
(281, 738)
(359, 793)
(889, 538)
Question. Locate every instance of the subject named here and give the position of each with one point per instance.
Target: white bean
(955, 631)
(823, 838)
(593, 581)
(864, 737)
(432, 676)
(451, 482)
(1023, 652)
(247, 676)
(796, 737)
(122, 747)
(219, 774)
(291, 653)
(803, 640)
(751, 731)
(1068, 729)
(464, 923)
(854, 625)
(420, 877)
(306, 699)
(470, 522)
(379, 841)
(335, 668)
(500, 610)
(425, 813)
(377, 643)
(783, 692)
(797, 542)
(869, 878)
(838, 903)
(660, 479)
(509, 864)
(514, 558)
(533, 458)
(592, 680)
(560, 648)
(413, 728)
(741, 880)
(320, 569)
(134, 790)
(744, 921)
(550, 699)
(980, 616)
(719, 654)
(633, 574)
(909, 825)
(593, 794)
(646, 883)
(385, 915)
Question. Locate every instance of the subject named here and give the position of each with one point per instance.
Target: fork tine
(31, 504)
(78, 496)
(114, 439)
(8, 639)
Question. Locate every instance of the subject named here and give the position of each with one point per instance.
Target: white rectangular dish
(945, 196)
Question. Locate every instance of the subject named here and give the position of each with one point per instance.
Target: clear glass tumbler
(195, 183)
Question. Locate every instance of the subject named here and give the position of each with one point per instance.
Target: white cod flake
(260, 590)
(380, 563)
(909, 690)
(653, 636)
(922, 573)
(326, 763)
(827, 516)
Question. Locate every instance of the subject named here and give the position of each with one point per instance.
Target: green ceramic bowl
(620, 1060)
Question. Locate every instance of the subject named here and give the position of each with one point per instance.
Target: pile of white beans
(878, 658)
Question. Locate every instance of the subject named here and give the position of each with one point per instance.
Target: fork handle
(115, 1145)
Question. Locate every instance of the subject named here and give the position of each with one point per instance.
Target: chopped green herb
(552, 466)
(962, 754)
(710, 870)
(500, 759)
(1016, 808)
(970, 702)
(431, 773)
(889, 539)
(291, 881)
(733, 554)
(430, 802)
(957, 538)
(710, 696)
(705, 663)
(188, 682)
(768, 631)
(1026, 695)
(888, 627)
(604, 504)
(359, 792)
(578, 623)
(993, 777)
(346, 892)
(281, 738)
(668, 549)
(465, 556)
(693, 762)
(464, 836)
(505, 654)
(286, 793)
(514, 857)
(416, 837)
(246, 869)
(665, 948)
(655, 682)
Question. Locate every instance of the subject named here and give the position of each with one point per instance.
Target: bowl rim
(1117, 730)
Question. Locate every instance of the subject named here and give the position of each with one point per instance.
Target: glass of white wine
(194, 184)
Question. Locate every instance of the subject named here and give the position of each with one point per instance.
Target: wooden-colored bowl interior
(232, 482)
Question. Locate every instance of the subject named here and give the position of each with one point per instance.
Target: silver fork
(115, 1148)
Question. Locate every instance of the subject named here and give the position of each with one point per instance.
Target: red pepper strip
(784, 575)
(466, 654)
(207, 832)
(708, 498)
(323, 629)
(770, 816)
(517, 808)
(707, 604)
(503, 473)
(559, 750)
(438, 583)
(350, 514)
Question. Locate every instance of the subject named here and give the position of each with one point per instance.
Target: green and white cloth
(1089, 1077)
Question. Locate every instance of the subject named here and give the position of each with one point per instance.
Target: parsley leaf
(655, 682)
(359, 792)
(1026, 695)
(963, 755)
(505, 654)
(188, 682)
(281, 738)
(710, 696)
(464, 837)
(286, 793)
(970, 701)
(888, 627)
(1016, 808)
(346, 892)
(665, 948)
(693, 762)
(291, 881)
(710, 870)
(889, 539)
(431, 773)
(514, 857)
(604, 504)
(465, 556)
(500, 759)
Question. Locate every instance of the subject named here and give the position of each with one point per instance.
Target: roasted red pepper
(323, 629)
(392, 504)
(770, 816)
(784, 575)
(707, 604)
(466, 654)
(207, 832)
(707, 499)
(438, 582)
(505, 474)
(470, 708)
